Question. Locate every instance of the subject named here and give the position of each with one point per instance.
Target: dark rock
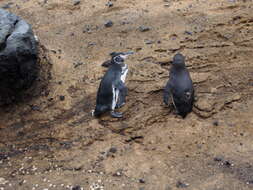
(181, 185)
(187, 32)
(141, 180)
(148, 42)
(217, 159)
(108, 23)
(144, 28)
(227, 164)
(18, 56)
(76, 2)
(77, 187)
(91, 44)
(142, 188)
(113, 150)
(77, 64)
(215, 123)
(109, 4)
(62, 98)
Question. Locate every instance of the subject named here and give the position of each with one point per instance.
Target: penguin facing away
(112, 90)
(179, 88)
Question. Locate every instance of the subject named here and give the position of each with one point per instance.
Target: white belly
(115, 97)
(124, 73)
(115, 91)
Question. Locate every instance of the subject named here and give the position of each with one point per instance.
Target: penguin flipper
(120, 85)
(167, 93)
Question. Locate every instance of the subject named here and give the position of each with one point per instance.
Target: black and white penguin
(179, 87)
(112, 90)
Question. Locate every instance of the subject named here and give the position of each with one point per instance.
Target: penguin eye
(118, 59)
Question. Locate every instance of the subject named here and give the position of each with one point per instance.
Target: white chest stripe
(115, 91)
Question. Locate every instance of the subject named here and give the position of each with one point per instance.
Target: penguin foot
(116, 114)
(120, 105)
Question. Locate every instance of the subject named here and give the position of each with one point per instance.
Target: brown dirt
(47, 143)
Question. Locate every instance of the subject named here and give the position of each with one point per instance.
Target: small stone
(215, 123)
(76, 2)
(144, 28)
(141, 180)
(113, 150)
(148, 42)
(217, 159)
(108, 23)
(118, 173)
(77, 64)
(181, 185)
(77, 187)
(188, 33)
(109, 4)
(62, 98)
(91, 44)
(228, 164)
(3, 181)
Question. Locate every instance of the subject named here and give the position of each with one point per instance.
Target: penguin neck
(178, 69)
(118, 67)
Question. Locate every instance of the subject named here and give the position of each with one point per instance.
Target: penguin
(112, 91)
(179, 88)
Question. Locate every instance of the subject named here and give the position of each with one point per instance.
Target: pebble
(148, 42)
(3, 181)
(181, 185)
(62, 98)
(215, 123)
(187, 32)
(109, 4)
(227, 164)
(144, 28)
(113, 150)
(76, 2)
(108, 23)
(217, 159)
(77, 187)
(141, 180)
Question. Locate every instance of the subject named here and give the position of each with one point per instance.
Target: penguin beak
(126, 54)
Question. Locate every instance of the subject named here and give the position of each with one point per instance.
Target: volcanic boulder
(18, 56)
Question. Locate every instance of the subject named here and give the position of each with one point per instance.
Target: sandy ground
(51, 141)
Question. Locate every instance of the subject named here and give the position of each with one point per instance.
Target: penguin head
(178, 61)
(119, 58)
